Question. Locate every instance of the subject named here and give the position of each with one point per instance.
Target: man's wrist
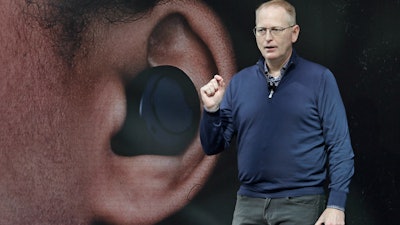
(335, 207)
(211, 110)
(337, 200)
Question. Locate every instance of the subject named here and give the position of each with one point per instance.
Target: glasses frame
(273, 31)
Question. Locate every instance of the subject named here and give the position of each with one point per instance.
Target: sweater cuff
(337, 200)
(211, 114)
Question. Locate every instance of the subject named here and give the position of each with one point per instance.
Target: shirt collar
(292, 62)
(282, 70)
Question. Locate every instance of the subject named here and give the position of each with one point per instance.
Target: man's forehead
(273, 14)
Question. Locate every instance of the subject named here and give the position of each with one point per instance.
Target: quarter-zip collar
(292, 62)
(273, 82)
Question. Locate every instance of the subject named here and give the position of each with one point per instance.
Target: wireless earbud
(163, 113)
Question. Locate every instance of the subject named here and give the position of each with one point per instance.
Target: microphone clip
(271, 88)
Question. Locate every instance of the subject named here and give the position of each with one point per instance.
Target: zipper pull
(272, 88)
(271, 93)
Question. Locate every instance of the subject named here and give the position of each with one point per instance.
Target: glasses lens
(260, 31)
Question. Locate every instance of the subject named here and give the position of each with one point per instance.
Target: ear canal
(162, 114)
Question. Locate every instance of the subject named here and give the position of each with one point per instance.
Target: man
(290, 126)
(64, 68)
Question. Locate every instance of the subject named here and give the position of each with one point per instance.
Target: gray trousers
(304, 210)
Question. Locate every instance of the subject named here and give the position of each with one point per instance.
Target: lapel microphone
(271, 88)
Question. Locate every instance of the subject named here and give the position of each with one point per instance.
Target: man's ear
(145, 189)
(295, 33)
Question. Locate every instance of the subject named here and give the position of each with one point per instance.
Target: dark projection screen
(100, 107)
(359, 41)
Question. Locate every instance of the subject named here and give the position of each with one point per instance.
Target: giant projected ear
(163, 109)
(157, 164)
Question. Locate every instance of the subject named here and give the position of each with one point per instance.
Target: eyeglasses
(274, 31)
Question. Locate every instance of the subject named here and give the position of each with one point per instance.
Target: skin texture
(57, 120)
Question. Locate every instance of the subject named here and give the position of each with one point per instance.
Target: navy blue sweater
(285, 142)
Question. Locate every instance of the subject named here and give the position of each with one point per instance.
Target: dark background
(359, 41)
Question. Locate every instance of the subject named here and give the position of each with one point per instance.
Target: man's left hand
(331, 216)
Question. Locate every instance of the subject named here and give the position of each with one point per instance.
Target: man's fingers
(220, 81)
(212, 86)
(209, 89)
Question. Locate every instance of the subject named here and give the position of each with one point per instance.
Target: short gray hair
(281, 3)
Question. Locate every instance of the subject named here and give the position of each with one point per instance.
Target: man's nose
(268, 35)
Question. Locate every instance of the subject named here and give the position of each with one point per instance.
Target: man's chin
(270, 56)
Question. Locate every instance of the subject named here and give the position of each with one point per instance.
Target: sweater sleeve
(211, 133)
(216, 128)
(337, 141)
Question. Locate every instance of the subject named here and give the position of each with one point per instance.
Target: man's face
(275, 47)
(58, 119)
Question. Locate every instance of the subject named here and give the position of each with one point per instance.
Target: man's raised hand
(212, 93)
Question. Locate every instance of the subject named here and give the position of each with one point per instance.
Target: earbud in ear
(163, 113)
